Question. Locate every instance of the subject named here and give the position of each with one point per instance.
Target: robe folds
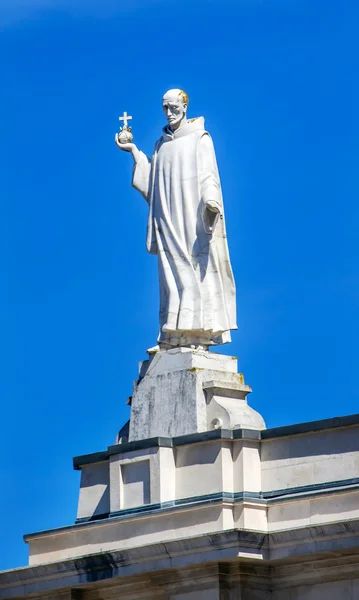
(197, 289)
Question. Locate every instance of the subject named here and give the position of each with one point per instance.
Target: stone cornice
(250, 546)
(103, 566)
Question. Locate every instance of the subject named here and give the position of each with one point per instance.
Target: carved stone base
(183, 391)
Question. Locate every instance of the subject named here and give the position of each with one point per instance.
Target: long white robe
(197, 289)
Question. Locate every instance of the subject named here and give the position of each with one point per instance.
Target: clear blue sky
(277, 82)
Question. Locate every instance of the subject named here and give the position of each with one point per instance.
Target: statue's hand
(213, 206)
(126, 147)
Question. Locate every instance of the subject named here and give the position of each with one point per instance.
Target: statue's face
(175, 109)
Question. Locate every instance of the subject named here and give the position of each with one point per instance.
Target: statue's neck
(180, 124)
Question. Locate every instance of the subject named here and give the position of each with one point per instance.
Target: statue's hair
(184, 97)
(180, 94)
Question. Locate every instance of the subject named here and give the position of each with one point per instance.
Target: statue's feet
(198, 347)
(165, 346)
(153, 350)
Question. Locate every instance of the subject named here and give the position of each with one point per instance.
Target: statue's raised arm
(186, 229)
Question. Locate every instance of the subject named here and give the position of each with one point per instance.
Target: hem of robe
(189, 338)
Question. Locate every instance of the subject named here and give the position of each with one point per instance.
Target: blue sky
(277, 82)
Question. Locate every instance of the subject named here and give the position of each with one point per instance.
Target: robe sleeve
(210, 187)
(141, 175)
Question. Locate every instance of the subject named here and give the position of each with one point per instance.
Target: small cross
(125, 120)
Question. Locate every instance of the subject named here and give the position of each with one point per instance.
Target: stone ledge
(231, 389)
(157, 442)
(342, 485)
(196, 438)
(248, 546)
(268, 498)
(310, 427)
(157, 509)
(264, 498)
(227, 545)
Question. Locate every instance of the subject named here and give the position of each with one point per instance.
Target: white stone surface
(299, 546)
(94, 498)
(186, 358)
(167, 475)
(134, 479)
(205, 468)
(246, 466)
(305, 526)
(322, 561)
(186, 229)
(107, 536)
(174, 395)
(316, 457)
(250, 515)
(313, 511)
(199, 469)
(135, 484)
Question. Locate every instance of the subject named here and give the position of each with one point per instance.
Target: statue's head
(175, 103)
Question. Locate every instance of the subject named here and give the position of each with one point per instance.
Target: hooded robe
(197, 289)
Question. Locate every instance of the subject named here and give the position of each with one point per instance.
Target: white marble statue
(186, 229)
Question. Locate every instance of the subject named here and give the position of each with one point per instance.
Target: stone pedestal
(184, 391)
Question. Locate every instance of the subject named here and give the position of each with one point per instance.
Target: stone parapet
(154, 490)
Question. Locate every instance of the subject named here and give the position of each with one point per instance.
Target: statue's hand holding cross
(125, 118)
(124, 139)
(125, 136)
